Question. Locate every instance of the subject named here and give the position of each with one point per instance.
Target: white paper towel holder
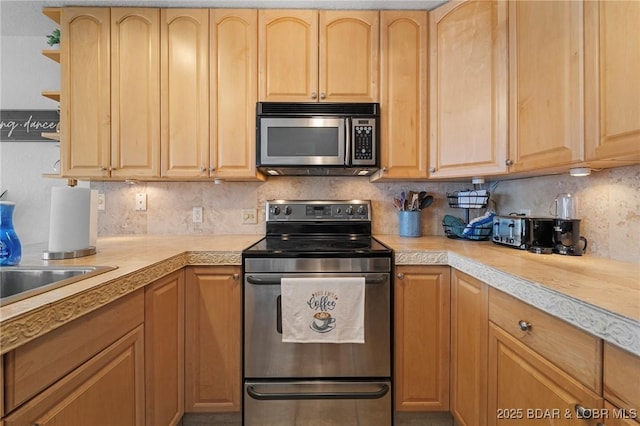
(57, 255)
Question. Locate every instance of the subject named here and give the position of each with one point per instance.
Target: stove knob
(360, 210)
(287, 210)
(349, 210)
(276, 210)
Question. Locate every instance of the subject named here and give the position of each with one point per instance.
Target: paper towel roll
(69, 227)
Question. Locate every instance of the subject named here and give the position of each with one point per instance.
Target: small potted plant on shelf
(54, 38)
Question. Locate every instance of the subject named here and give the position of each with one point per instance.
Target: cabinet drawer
(33, 367)
(621, 372)
(576, 352)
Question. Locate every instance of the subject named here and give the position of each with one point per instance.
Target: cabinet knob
(323, 95)
(509, 162)
(384, 169)
(432, 169)
(203, 169)
(400, 276)
(103, 169)
(583, 412)
(111, 169)
(211, 169)
(236, 277)
(314, 95)
(524, 325)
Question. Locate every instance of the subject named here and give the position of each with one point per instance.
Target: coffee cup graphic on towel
(322, 322)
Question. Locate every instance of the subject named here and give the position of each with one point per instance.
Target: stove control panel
(284, 210)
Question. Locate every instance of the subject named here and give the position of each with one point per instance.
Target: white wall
(24, 74)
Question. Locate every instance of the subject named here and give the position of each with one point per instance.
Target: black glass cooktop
(299, 246)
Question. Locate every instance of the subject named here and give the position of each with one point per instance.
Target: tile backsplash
(608, 204)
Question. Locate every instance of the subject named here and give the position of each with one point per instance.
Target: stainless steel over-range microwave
(317, 138)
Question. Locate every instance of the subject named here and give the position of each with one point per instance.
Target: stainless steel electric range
(312, 384)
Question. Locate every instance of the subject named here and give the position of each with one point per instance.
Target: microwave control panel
(363, 133)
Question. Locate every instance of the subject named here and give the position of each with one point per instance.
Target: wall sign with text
(27, 125)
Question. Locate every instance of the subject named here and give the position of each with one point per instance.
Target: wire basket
(470, 199)
(454, 227)
(464, 232)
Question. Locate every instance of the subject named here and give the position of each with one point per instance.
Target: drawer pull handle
(524, 325)
(583, 412)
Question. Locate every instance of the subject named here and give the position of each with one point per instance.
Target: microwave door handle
(347, 136)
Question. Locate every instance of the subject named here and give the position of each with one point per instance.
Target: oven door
(302, 141)
(266, 356)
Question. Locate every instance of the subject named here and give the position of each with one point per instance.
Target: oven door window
(302, 141)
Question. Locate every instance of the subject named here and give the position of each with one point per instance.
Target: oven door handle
(268, 396)
(370, 279)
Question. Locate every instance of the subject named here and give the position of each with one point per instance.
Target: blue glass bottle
(10, 248)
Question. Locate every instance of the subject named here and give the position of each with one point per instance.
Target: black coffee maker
(566, 230)
(567, 239)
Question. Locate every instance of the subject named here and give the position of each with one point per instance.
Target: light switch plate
(249, 216)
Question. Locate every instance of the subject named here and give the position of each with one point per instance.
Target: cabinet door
(546, 57)
(521, 382)
(469, 346)
(403, 94)
(619, 417)
(106, 390)
(234, 92)
(611, 73)
(421, 348)
(135, 92)
(348, 56)
(185, 92)
(468, 89)
(618, 366)
(164, 355)
(213, 339)
(85, 88)
(288, 55)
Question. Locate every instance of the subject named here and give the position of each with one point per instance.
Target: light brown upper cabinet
(310, 55)
(85, 106)
(209, 92)
(546, 51)
(234, 92)
(110, 92)
(135, 92)
(468, 63)
(185, 92)
(403, 94)
(612, 68)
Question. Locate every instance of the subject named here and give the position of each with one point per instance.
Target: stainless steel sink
(20, 282)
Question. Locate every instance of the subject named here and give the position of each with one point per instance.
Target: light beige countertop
(140, 260)
(598, 295)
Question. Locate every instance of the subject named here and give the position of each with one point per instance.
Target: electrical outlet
(249, 216)
(141, 201)
(197, 214)
(101, 202)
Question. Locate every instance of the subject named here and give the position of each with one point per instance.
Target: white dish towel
(323, 310)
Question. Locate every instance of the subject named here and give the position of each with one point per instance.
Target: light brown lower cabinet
(106, 390)
(469, 346)
(89, 371)
(421, 348)
(621, 373)
(164, 350)
(213, 339)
